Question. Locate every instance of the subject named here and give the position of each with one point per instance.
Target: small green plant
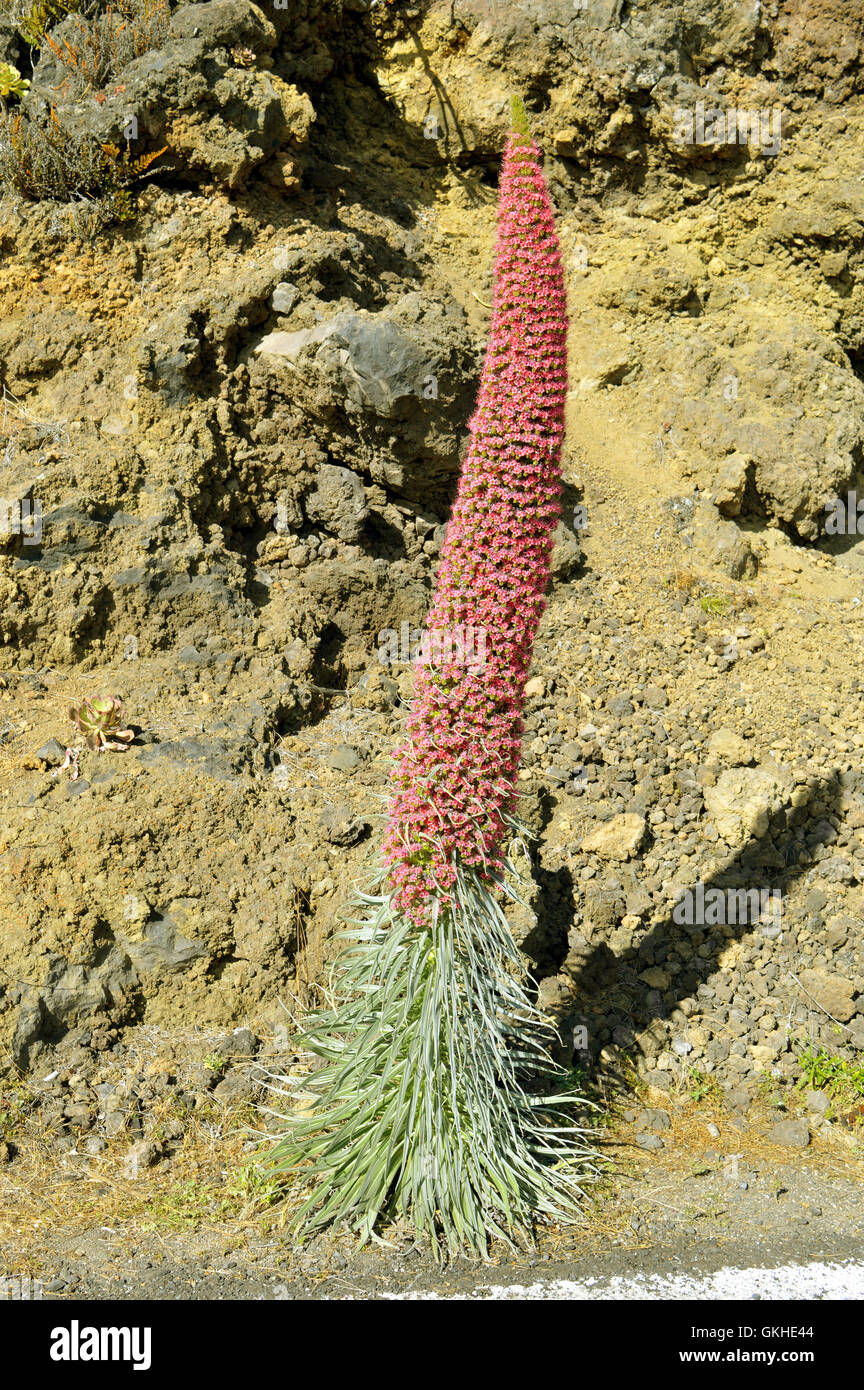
(249, 1190)
(701, 1087)
(632, 1077)
(767, 1091)
(16, 1104)
(12, 84)
(33, 20)
(100, 722)
(714, 604)
(577, 1081)
(822, 1071)
(185, 1206)
(215, 1063)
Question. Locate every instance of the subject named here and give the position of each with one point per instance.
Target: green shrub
(42, 161)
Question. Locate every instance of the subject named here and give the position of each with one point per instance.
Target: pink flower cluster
(454, 781)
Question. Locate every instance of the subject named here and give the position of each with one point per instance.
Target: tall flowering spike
(437, 1102)
(454, 782)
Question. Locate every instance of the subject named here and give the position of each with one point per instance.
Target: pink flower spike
(453, 784)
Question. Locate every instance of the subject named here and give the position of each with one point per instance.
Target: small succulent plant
(100, 722)
(12, 84)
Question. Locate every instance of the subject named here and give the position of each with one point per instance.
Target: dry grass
(18, 424)
(49, 1199)
(43, 1203)
(209, 1198)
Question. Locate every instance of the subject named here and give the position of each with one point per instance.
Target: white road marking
(833, 1281)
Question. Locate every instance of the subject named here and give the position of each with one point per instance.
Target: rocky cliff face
(231, 428)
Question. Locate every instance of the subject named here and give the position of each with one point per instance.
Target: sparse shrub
(42, 161)
(683, 582)
(18, 426)
(101, 45)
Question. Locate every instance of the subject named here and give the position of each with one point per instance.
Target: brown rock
(619, 838)
(833, 993)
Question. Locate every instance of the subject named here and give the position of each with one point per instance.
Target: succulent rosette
(101, 723)
(12, 84)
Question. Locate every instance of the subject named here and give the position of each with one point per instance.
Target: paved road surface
(805, 1281)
